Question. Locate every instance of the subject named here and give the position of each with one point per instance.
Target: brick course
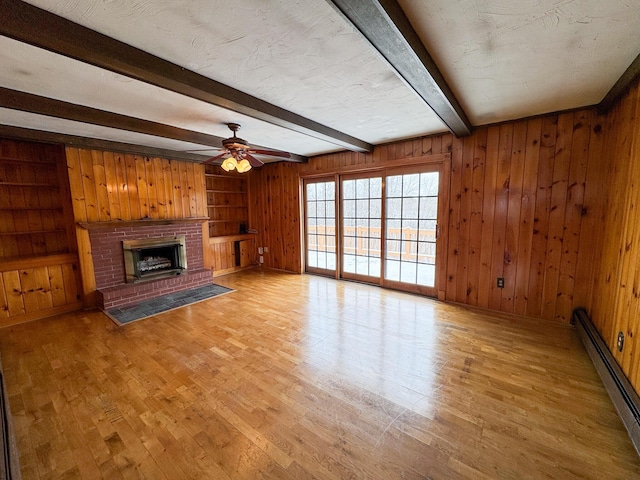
(108, 262)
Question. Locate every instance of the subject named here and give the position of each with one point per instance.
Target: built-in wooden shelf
(225, 191)
(232, 238)
(30, 208)
(29, 162)
(227, 204)
(39, 261)
(226, 177)
(28, 184)
(32, 232)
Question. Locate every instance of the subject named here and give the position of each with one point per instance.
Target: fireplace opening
(154, 258)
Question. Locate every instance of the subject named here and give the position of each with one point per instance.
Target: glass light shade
(243, 166)
(229, 164)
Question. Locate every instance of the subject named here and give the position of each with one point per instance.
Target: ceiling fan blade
(253, 160)
(217, 157)
(273, 153)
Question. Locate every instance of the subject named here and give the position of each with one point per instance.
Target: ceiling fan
(238, 154)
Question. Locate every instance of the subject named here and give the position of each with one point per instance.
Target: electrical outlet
(620, 341)
(266, 249)
(261, 259)
(260, 250)
(500, 282)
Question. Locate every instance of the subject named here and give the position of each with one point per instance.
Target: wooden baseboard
(49, 312)
(226, 271)
(622, 393)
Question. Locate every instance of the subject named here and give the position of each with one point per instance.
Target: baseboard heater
(622, 393)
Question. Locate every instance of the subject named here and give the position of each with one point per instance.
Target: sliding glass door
(320, 216)
(411, 224)
(379, 228)
(362, 228)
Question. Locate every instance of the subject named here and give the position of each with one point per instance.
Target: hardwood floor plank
(298, 376)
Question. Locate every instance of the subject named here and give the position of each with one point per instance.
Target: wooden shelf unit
(228, 209)
(233, 252)
(227, 202)
(39, 274)
(33, 201)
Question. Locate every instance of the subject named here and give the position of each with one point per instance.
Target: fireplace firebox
(153, 258)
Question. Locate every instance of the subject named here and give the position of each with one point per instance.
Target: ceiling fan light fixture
(238, 153)
(243, 166)
(229, 164)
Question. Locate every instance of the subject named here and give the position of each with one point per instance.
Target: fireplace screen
(154, 258)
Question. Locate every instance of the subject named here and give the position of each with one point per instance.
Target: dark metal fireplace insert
(153, 258)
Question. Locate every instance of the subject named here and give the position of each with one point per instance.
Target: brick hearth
(106, 250)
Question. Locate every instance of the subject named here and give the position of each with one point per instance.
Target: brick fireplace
(109, 265)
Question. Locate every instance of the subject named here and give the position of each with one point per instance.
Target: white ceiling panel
(511, 59)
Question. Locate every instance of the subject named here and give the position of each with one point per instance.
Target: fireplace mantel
(141, 223)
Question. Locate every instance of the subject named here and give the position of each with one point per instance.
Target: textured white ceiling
(37, 71)
(509, 59)
(503, 60)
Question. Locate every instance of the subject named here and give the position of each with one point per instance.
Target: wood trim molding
(141, 223)
(50, 312)
(626, 81)
(391, 164)
(35, 262)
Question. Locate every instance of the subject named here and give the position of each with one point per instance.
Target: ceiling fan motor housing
(239, 149)
(235, 143)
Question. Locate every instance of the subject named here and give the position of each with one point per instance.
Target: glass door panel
(411, 209)
(388, 227)
(320, 209)
(362, 228)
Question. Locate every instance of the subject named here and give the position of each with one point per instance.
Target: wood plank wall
(39, 276)
(520, 209)
(274, 211)
(616, 305)
(108, 187)
(38, 287)
(524, 201)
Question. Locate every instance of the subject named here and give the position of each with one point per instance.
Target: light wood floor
(302, 377)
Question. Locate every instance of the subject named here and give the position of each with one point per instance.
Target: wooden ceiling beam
(35, 26)
(387, 28)
(29, 134)
(28, 102)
